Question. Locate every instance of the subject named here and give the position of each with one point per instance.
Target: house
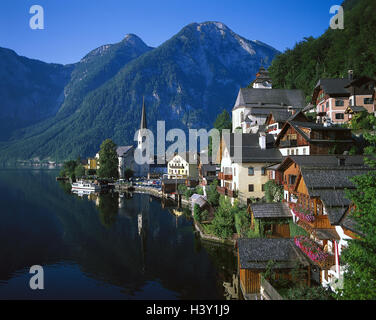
(207, 171)
(271, 219)
(254, 256)
(183, 165)
(126, 159)
(253, 105)
(92, 164)
(276, 120)
(332, 97)
(315, 189)
(309, 138)
(243, 167)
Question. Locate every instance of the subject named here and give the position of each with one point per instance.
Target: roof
(327, 177)
(123, 150)
(248, 150)
(255, 253)
(198, 199)
(355, 109)
(281, 115)
(327, 234)
(349, 223)
(271, 210)
(249, 97)
(334, 86)
(143, 116)
(185, 155)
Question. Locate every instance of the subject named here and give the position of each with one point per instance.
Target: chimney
(262, 140)
(351, 74)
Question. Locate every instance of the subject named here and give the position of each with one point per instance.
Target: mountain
(30, 90)
(332, 54)
(186, 81)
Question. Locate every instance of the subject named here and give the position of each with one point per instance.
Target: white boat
(83, 185)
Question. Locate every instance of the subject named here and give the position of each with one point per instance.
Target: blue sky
(75, 27)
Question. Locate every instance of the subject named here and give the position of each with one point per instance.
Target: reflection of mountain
(45, 225)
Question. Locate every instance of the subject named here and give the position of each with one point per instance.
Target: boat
(84, 185)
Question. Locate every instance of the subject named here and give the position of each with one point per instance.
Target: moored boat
(84, 185)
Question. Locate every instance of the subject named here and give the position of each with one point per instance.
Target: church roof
(143, 116)
(270, 98)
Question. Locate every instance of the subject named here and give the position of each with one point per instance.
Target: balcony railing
(223, 176)
(227, 192)
(315, 252)
(288, 143)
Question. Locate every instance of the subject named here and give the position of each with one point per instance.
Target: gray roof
(270, 97)
(123, 150)
(328, 161)
(327, 234)
(334, 86)
(251, 151)
(349, 223)
(281, 115)
(271, 210)
(255, 253)
(198, 199)
(357, 108)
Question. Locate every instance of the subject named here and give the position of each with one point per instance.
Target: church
(255, 103)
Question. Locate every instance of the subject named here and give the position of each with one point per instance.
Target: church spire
(143, 115)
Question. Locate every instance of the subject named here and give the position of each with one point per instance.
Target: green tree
(212, 193)
(79, 171)
(68, 169)
(128, 173)
(273, 192)
(223, 222)
(223, 121)
(359, 256)
(108, 160)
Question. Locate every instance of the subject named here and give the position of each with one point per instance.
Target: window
(340, 103)
(251, 171)
(297, 152)
(368, 101)
(327, 105)
(340, 116)
(263, 187)
(292, 152)
(304, 151)
(263, 171)
(292, 179)
(251, 187)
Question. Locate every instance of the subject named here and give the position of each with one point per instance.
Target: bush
(273, 192)
(197, 212)
(223, 222)
(199, 190)
(212, 194)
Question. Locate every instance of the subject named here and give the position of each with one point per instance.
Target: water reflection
(114, 246)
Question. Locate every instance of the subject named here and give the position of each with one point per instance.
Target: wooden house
(315, 189)
(254, 256)
(271, 219)
(309, 138)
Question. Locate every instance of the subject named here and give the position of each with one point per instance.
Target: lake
(108, 246)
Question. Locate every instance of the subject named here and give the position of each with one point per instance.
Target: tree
(79, 171)
(68, 169)
(108, 160)
(359, 256)
(212, 193)
(128, 173)
(223, 121)
(223, 222)
(273, 192)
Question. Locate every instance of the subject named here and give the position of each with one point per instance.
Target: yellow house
(92, 164)
(183, 165)
(243, 166)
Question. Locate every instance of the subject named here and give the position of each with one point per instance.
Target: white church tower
(143, 169)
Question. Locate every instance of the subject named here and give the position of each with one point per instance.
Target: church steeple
(143, 115)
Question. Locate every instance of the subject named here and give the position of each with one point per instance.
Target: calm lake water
(101, 247)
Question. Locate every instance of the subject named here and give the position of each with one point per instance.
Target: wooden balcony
(222, 190)
(223, 176)
(288, 143)
(227, 192)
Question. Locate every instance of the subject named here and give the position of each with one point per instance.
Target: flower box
(303, 214)
(311, 249)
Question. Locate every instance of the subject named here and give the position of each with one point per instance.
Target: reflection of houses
(332, 97)
(243, 167)
(271, 219)
(253, 105)
(309, 138)
(183, 165)
(253, 258)
(315, 189)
